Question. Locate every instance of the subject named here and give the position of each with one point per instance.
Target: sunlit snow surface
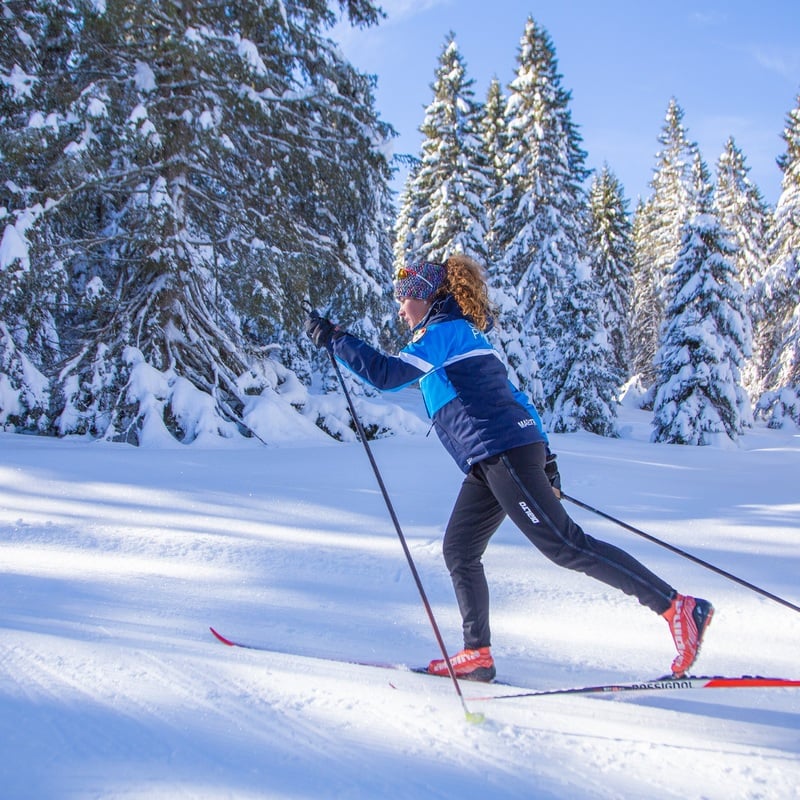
(115, 560)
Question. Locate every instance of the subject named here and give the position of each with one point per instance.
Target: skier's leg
(475, 517)
(518, 480)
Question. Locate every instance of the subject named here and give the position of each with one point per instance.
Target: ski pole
(474, 717)
(683, 553)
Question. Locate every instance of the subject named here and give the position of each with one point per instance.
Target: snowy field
(115, 560)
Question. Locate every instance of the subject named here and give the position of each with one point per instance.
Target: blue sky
(734, 68)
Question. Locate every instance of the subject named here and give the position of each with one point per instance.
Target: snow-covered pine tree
(659, 236)
(780, 402)
(742, 210)
(449, 189)
(408, 238)
(495, 145)
(644, 321)
(541, 224)
(507, 334)
(699, 398)
(35, 49)
(586, 397)
(611, 256)
(221, 166)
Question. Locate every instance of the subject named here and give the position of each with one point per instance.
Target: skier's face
(413, 311)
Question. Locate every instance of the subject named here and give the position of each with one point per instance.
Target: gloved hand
(551, 470)
(321, 330)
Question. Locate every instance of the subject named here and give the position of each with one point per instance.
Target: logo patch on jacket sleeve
(418, 335)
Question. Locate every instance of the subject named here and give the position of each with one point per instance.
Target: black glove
(321, 330)
(551, 470)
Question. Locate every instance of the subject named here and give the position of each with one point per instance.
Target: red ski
(667, 683)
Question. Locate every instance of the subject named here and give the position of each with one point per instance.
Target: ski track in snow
(114, 561)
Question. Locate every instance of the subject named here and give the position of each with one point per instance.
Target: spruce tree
(659, 236)
(507, 334)
(37, 42)
(780, 402)
(699, 398)
(212, 168)
(644, 321)
(450, 187)
(541, 224)
(743, 211)
(408, 238)
(586, 396)
(495, 145)
(611, 256)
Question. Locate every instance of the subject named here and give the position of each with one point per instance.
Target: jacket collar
(443, 309)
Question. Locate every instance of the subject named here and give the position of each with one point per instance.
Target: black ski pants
(514, 484)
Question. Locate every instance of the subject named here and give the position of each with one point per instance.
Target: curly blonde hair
(466, 281)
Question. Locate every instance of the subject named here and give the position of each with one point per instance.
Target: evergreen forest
(181, 183)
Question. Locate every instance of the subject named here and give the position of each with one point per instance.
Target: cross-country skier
(495, 435)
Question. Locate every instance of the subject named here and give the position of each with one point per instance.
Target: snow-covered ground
(115, 560)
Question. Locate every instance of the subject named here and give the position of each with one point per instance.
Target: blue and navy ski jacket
(476, 411)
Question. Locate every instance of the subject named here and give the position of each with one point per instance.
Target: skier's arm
(388, 373)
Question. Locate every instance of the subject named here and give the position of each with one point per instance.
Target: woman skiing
(495, 435)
